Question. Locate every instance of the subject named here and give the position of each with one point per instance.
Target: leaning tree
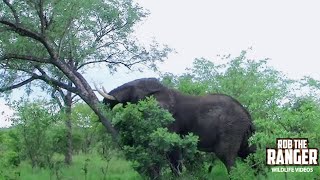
(54, 41)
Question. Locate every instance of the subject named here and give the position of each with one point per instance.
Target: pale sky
(287, 31)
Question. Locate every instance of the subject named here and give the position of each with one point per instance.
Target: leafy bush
(146, 139)
(33, 123)
(298, 119)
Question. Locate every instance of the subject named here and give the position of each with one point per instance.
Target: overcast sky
(286, 31)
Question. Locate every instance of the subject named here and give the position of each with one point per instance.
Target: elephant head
(132, 91)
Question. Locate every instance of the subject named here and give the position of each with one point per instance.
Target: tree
(65, 104)
(9, 153)
(33, 122)
(40, 39)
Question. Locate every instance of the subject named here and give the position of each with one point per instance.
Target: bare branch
(52, 81)
(92, 62)
(56, 98)
(119, 43)
(127, 65)
(102, 32)
(41, 16)
(40, 70)
(63, 36)
(74, 96)
(3, 89)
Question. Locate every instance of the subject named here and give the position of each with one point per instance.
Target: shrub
(146, 139)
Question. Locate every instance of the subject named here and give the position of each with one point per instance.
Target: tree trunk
(68, 122)
(94, 105)
(87, 94)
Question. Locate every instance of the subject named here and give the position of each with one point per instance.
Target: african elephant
(221, 122)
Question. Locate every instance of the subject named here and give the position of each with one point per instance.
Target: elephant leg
(228, 161)
(175, 161)
(227, 153)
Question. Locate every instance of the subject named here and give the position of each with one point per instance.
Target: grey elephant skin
(221, 122)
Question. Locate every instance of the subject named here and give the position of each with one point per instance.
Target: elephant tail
(245, 148)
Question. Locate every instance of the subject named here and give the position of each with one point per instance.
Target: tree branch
(41, 16)
(8, 66)
(3, 89)
(127, 65)
(24, 57)
(21, 30)
(74, 96)
(56, 98)
(53, 81)
(34, 35)
(92, 62)
(45, 78)
(103, 32)
(14, 12)
(63, 36)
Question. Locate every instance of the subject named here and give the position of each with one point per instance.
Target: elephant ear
(152, 86)
(146, 89)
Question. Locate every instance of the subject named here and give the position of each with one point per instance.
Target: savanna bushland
(34, 147)
(70, 135)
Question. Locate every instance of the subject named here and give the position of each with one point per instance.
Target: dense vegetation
(70, 135)
(33, 148)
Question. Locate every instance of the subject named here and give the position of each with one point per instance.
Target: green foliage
(299, 119)
(88, 133)
(166, 141)
(268, 95)
(33, 123)
(79, 25)
(242, 172)
(9, 154)
(57, 135)
(77, 32)
(145, 139)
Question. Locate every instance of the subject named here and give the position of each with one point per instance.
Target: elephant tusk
(104, 90)
(104, 94)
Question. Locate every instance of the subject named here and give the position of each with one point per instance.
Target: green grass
(117, 169)
(120, 169)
